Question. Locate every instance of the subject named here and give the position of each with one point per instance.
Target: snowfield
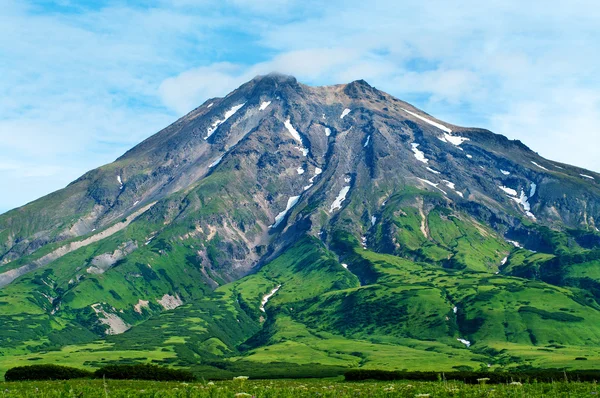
(211, 130)
(337, 203)
(419, 154)
(465, 342)
(216, 162)
(432, 184)
(293, 132)
(436, 124)
(279, 217)
(453, 139)
(508, 191)
(540, 166)
(267, 297)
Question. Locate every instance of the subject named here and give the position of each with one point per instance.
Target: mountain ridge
(338, 196)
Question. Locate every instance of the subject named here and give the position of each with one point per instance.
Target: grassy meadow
(291, 388)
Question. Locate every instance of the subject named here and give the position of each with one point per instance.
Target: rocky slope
(392, 202)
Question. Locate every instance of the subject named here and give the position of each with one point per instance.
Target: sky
(82, 81)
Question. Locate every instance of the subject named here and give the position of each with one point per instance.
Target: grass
(87, 356)
(392, 308)
(292, 388)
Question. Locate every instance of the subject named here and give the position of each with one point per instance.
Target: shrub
(144, 372)
(45, 372)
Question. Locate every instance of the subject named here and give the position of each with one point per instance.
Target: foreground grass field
(291, 388)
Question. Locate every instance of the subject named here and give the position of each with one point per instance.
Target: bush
(45, 372)
(541, 376)
(144, 372)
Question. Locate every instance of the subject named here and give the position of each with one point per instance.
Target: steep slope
(350, 217)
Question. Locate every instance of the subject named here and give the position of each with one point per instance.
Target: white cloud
(79, 88)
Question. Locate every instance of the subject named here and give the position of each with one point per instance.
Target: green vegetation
(143, 372)
(402, 294)
(296, 388)
(530, 376)
(45, 372)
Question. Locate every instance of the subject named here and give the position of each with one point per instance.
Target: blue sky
(83, 81)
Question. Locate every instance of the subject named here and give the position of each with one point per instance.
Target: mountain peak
(310, 192)
(275, 77)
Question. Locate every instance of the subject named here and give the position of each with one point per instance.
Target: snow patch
(470, 156)
(455, 309)
(438, 125)
(506, 173)
(508, 191)
(345, 265)
(267, 297)
(210, 131)
(449, 184)
(209, 105)
(373, 220)
(465, 342)
(540, 166)
(504, 260)
(317, 172)
(264, 105)
(432, 184)
(455, 139)
(327, 131)
(452, 186)
(303, 150)
(345, 113)
(337, 203)
(300, 170)
(532, 189)
(120, 182)
(515, 243)
(367, 142)
(170, 302)
(433, 171)
(523, 201)
(216, 162)
(290, 203)
(587, 176)
(419, 154)
(293, 132)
